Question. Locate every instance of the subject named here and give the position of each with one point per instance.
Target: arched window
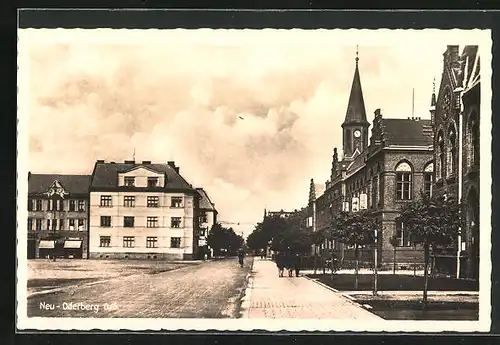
(451, 156)
(440, 156)
(473, 140)
(348, 137)
(428, 179)
(403, 181)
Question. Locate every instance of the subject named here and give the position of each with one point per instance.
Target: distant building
(457, 109)
(207, 215)
(281, 213)
(58, 207)
(142, 210)
(381, 174)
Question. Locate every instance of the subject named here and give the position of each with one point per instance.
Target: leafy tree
(394, 242)
(431, 222)
(221, 238)
(357, 230)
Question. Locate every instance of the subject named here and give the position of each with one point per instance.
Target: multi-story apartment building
(381, 175)
(58, 215)
(207, 217)
(456, 113)
(142, 210)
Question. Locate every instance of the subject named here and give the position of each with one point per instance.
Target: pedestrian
(289, 264)
(296, 264)
(241, 255)
(278, 257)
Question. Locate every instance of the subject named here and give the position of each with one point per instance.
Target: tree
(431, 222)
(357, 230)
(221, 238)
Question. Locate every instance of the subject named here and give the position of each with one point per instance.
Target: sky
(250, 119)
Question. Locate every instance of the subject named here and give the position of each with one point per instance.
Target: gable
(56, 189)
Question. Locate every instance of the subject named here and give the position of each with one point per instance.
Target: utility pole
(375, 272)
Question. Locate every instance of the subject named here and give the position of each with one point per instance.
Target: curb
(350, 299)
(245, 301)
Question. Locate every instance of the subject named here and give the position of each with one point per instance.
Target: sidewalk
(269, 296)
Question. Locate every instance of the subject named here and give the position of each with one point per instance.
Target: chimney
(29, 174)
(100, 161)
(378, 112)
(129, 162)
(146, 162)
(171, 164)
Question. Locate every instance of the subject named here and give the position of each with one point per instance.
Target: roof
(105, 175)
(357, 163)
(407, 132)
(73, 184)
(471, 67)
(356, 112)
(205, 202)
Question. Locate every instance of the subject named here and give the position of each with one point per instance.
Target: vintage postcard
(296, 180)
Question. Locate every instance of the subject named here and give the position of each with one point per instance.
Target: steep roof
(357, 163)
(205, 202)
(106, 175)
(73, 184)
(356, 112)
(407, 132)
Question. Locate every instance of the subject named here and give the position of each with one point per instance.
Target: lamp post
(375, 277)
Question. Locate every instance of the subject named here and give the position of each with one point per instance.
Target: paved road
(210, 290)
(298, 297)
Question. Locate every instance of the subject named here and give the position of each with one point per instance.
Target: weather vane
(357, 57)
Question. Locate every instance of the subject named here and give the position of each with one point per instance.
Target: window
(106, 201)
(54, 224)
(105, 221)
(176, 201)
(403, 181)
(61, 224)
(152, 222)
(38, 224)
(175, 242)
(72, 224)
(80, 224)
(151, 242)
(451, 153)
(60, 205)
(175, 222)
(128, 241)
(72, 205)
(104, 241)
(152, 181)
(129, 201)
(473, 140)
(440, 157)
(375, 191)
(48, 224)
(30, 224)
(30, 204)
(81, 205)
(203, 218)
(128, 222)
(129, 181)
(38, 205)
(402, 235)
(428, 179)
(152, 201)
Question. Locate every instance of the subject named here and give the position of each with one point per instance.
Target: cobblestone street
(270, 296)
(209, 290)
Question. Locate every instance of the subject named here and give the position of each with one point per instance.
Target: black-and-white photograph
(254, 179)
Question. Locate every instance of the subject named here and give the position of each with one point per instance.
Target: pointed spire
(356, 113)
(433, 98)
(312, 192)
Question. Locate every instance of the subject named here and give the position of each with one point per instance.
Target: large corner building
(142, 210)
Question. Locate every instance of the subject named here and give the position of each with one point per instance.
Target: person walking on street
(280, 264)
(241, 255)
(296, 264)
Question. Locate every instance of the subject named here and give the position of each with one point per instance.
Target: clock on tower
(357, 133)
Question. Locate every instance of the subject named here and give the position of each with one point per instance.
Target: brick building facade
(381, 174)
(456, 113)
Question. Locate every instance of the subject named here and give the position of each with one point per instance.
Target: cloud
(184, 103)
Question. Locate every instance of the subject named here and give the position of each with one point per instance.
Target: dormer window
(129, 181)
(152, 182)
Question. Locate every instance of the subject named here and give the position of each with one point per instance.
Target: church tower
(355, 126)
